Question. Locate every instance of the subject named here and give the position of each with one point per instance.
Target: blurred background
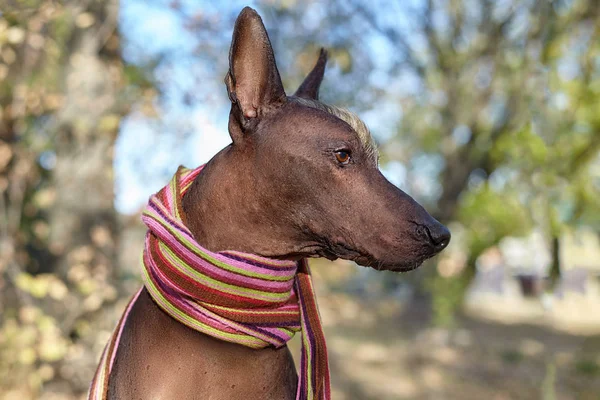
(487, 112)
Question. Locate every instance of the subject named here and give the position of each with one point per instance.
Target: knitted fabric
(236, 297)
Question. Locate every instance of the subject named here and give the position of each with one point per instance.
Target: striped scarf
(236, 297)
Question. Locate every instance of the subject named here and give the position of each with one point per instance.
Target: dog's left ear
(253, 82)
(310, 87)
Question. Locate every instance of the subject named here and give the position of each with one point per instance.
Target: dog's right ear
(253, 82)
(309, 89)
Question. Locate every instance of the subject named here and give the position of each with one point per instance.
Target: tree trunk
(83, 221)
(61, 102)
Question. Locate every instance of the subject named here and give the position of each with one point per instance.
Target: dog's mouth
(404, 266)
(365, 259)
(340, 250)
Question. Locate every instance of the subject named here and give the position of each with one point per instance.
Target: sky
(156, 30)
(149, 151)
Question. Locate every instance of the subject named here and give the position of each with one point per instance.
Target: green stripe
(252, 311)
(262, 260)
(218, 285)
(208, 258)
(171, 309)
(175, 195)
(309, 361)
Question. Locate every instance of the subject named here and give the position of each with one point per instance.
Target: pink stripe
(231, 277)
(183, 230)
(197, 312)
(199, 263)
(163, 233)
(120, 331)
(181, 302)
(204, 316)
(252, 302)
(187, 179)
(269, 261)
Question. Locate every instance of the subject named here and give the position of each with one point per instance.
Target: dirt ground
(382, 350)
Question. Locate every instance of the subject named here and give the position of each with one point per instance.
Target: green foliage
(522, 149)
(587, 367)
(549, 383)
(446, 299)
(512, 356)
(139, 76)
(490, 215)
(59, 104)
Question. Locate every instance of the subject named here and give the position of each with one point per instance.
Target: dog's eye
(342, 156)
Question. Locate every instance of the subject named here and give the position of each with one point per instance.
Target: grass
(512, 356)
(587, 367)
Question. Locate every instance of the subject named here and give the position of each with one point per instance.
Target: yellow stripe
(170, 308)
(221, 286)
(208, 258)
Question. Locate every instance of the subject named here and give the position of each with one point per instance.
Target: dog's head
(308, 172)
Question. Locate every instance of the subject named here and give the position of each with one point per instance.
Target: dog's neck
(223, 213)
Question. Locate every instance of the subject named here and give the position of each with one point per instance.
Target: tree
(63, 91)
(483, 81)
(497, 130)
(504, 106)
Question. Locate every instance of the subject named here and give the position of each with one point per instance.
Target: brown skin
(285, 189)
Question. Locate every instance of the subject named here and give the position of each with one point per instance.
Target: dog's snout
(437, 234)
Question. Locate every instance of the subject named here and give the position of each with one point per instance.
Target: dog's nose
(436, 234)
(439, 236)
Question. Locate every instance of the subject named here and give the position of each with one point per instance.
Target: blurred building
(511, 282)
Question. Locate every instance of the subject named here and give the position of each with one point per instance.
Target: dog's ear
(310, 87)
(253, 82)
